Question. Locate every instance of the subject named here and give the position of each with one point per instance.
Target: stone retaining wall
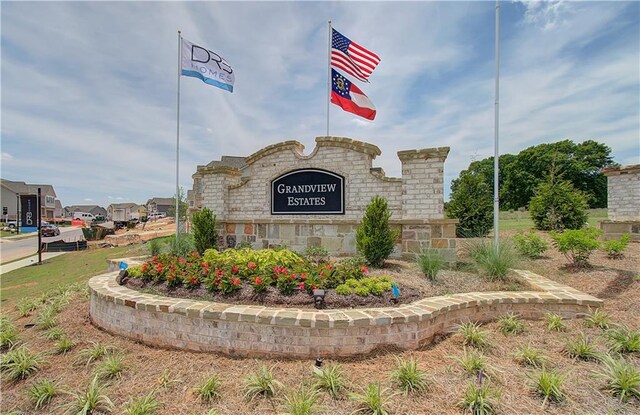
(256, 331)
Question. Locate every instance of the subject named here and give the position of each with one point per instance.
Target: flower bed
(265, 277)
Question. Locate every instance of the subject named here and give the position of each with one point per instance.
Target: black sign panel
(308, 192)
(29, 212)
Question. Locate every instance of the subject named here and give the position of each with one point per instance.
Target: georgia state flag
(349, 97)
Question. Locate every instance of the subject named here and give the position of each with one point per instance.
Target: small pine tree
(374, 237)
(472, 204)
(204, 230)
(557, 205)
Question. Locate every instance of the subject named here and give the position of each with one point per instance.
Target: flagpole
(178, 137)
(496, 190)
(328, 77)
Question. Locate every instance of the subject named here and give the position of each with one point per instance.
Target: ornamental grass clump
(42, 392)
(510, 324)
(554, 322)
(9, 336)
(549, 386)
(372, 400)
(430, 262)
(491, 260)
(408, 377)
(93, 400)
(480, 399)
(622, 378)
(598, 318)
(209, 389)
(473, 361)
(146, 405)
(530, 356)
(582, 348)
(472, 334)
(18, 364)
(622, 339)
(301, 401)
(25, 306)
(262, 383)
(330, 378)
(94, 353)
(64, 345)
(111, 367)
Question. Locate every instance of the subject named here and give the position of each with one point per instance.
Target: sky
(89, 89)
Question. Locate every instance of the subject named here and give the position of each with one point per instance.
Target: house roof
(45, 189)
(167, 201)
(229, 161)
(24, 188)
(122, 205)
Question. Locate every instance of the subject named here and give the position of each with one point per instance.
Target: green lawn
(522, 221)
(65, 269)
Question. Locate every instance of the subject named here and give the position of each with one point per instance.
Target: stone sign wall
(623, 202)
(242, 196)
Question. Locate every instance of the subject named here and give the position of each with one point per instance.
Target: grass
(554, 322)
(430, 263)
(20, 363)
(261, 383)
(491, 262)
(65, 269)
(9, 335)
(111, 367)
(520, 220)
(91, 354)
(64, 345)
(622, 339)
(582, 348)
(622, 378)
(371, 401)
(479, 400)
(42, 392)
(408, 377)
(473, 361)
(598, 318)
(530, 356)
(330, 379)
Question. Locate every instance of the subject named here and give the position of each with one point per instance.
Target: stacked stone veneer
(623, 202)
(257, 331)
(241, 197)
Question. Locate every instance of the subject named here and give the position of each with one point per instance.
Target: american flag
(351, 57)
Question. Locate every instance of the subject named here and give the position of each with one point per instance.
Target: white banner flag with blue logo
(206, 65)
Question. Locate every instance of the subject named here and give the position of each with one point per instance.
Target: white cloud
(6, 157)
(88, 199)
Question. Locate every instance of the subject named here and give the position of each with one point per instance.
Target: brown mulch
(616, 281)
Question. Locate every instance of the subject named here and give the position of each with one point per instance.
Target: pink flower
(364, 269)
(258, 280)
(301, 286)
(235, 270)
(236, 281)
(251, 265)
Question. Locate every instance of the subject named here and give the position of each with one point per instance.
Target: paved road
(12, 249)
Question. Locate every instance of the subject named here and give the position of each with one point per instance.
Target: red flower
(258, 280)
(251, 265)
(236, 281)
(329, 267)
(155, 257)
(364, 269)
(205, 265)
(171, 277)
(301, 286)
(313, 287)
(235, 270)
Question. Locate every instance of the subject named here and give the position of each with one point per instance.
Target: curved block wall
(256, 331)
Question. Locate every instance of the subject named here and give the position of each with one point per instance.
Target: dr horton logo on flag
(349, 97)
(206, 65)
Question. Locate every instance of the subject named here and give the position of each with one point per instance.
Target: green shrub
(20, 363)
(472, 204)
(372, 400)
(361, 290)
(316, 254)
(530, 244)
(329, 378)
(492, 262)
(209, 389)
(622, 378)
(374, 237)
(408, 377)
(615, 247)
(557, 205)
(577, 244)
(42, 392)
(344, 289)
(155, 246)
(430, 262)
(205, 235)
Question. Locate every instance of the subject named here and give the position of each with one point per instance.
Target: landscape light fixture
(318, 298)
(395, 293)
(123, 274)
(318, 362)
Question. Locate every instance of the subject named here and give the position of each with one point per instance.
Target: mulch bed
(616, 281)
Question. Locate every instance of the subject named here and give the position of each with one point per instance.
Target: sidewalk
(21, 263)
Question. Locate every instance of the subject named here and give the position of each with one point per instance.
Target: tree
(182, 206)
(204, 230)
(374, 237)
(557, 205)
(471, 203)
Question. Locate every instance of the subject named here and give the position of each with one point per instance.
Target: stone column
(215, 188)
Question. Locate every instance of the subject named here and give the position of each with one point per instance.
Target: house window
(49, 200)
